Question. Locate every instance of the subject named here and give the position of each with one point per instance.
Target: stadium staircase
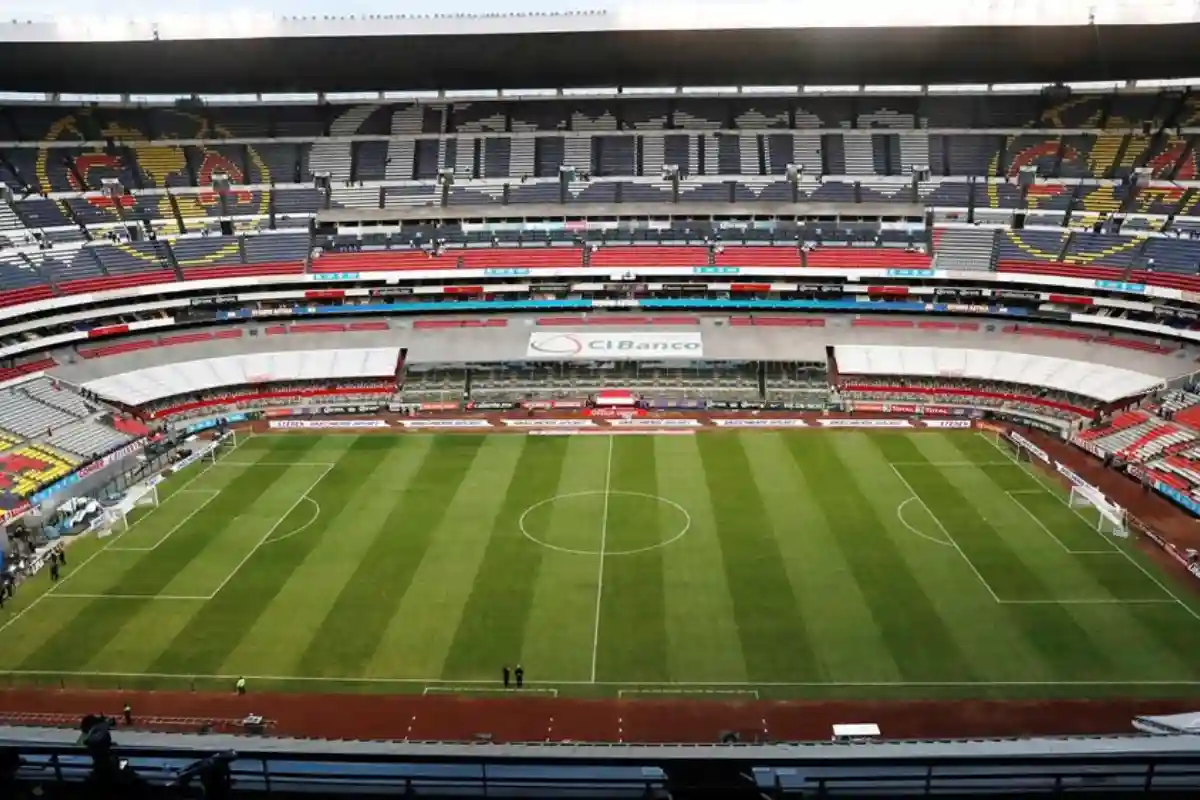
(964, 248)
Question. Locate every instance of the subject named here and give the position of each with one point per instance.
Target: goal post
(221, 447)
(1094, 508)
(139, 501)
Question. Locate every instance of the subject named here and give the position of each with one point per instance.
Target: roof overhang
(604, 58)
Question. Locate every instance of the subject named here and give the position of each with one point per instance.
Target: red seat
(759, 256)
(242, 271)
(16, 297)
(117, 349)
(867, 258)
(650, 256)
(84, 285)
(185, 338)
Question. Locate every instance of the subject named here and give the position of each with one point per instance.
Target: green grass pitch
(764, 564)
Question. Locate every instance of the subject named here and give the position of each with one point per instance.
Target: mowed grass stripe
(217, 627)
(345, 640)
(346, 529)
(775, 643)
(494, 621)
(420, 632)
(702, 639)
(1064, 645)
(632, 641)
(837, 613)
(559, 629)
(101, 620)
(848, 479)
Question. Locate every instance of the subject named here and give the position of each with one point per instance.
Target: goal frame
(1109, 520)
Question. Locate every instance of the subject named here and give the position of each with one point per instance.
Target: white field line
(1043, 488)
(303, 496)
(227, 463)
(433, 682)
(952, 463)
(316, 516)
(945, 532)
(603, 544)
(113, 541)
(72, 595)
(1085, 601)
(475, 689)
(1153, 578)
(905, 523)
(185, 488)
(1037, 521)
(212, 495)
(676, 692)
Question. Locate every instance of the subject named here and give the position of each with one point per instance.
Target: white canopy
(140, 386)
(1102, 382)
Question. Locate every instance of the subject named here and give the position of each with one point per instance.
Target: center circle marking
(687, 525)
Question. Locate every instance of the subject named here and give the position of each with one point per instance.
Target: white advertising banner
(326, 424)
(588, 345)
(761, 423)
(445, 423)
(549, 423)
(652, 422)
(947, 423)
(843, 422)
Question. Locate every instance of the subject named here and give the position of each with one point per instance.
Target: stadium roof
(254, 52)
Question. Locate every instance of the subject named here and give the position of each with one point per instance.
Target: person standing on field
(507, 675)
(519, 674)
(241, 685)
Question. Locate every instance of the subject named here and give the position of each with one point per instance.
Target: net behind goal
(1097, 511)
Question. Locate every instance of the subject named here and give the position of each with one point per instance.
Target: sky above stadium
(32, 9)
(737, 12)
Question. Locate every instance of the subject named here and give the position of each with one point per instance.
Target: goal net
(1093, 507)
(222, 447)
(138, 501)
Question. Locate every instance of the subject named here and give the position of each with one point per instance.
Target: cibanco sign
(579, 345)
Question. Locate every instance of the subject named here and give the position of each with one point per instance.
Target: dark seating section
(166, 159)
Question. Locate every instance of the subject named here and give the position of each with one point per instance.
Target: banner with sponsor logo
(492, 405)
(437, 407)
(616, 413)
(1034, 450)
(546, 405)
(111, 458)
(549, 423)
(761, 423)
(326, 424)
(654, 422)
(587, 345)
(445, 423)
(947, 423)
(864, 423)
(906, 408)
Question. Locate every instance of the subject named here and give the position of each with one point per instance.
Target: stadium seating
(866, 258)
(24, 470)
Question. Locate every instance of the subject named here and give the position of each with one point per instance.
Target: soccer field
(734, 564)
